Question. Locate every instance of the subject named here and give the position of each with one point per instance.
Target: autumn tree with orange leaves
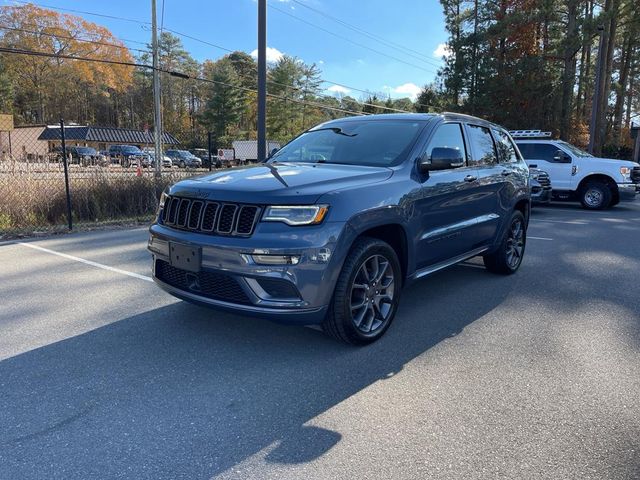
(49, 88)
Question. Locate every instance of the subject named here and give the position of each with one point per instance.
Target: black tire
(508, 257)
(595, 195)
(342, 318)
(182, 164)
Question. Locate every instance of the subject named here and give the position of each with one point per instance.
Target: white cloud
(273, 54)
(410, 89)
(339, 89)
(442, 50)
(320, 62)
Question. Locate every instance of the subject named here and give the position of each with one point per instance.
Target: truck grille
(544, 180)
(216, 218)
(635, 175)
(217, 286)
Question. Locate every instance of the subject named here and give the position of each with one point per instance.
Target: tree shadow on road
(182, 391)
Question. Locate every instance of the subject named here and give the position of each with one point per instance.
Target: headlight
(296, 215)
(626, 173)
(163, 198)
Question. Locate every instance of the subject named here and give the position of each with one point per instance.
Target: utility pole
(262, 80)
(157, 129)
(594, 130)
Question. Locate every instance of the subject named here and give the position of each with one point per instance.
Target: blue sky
(414, 24)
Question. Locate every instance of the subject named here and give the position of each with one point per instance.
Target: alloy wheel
(515, 243)
(372, 294)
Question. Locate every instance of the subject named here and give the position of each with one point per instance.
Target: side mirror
(442, 158)
(561, 157)
(272, 152)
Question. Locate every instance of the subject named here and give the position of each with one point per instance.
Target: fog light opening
(276, 259)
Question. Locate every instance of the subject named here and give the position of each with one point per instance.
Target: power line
(205, 42)
(406, 50)
(367, 92)
(59, 36)
(112, 17)
(347, 39)
(170, 72)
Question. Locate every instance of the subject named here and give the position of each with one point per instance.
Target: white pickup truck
(577, 175)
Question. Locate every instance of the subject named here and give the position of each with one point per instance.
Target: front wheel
(595, 196)
(367, 293)
(508, 257)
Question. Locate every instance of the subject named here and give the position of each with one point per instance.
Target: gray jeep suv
(334, 224)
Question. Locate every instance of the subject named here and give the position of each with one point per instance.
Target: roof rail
(529, 134)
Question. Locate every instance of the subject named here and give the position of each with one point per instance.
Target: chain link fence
(109, 182)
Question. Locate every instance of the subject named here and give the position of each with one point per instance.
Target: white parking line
(538, 238)
(87, 262)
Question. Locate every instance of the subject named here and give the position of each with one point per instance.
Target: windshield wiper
(337, 130)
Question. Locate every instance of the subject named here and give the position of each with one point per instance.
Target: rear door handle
(506, 173)
(470, 178)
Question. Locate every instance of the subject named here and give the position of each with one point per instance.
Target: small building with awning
(101, 138)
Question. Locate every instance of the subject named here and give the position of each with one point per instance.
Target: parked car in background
(595, 182)
(184, 159)
(127, 155)
(166, 161)
(85, 156)
(247, 150)
(333, 225)
(540, 186)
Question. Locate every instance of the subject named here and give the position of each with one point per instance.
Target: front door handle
(470, 178)
(506, 173)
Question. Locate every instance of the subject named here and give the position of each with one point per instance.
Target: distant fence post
(66, 174)
(209, 150)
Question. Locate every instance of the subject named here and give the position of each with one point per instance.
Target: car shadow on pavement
(182, 391)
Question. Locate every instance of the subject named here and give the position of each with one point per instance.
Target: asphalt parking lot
(102, 375)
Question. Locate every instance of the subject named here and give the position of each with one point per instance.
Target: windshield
(575, 150)
(367, 142)
(86, 151)
(131, 149)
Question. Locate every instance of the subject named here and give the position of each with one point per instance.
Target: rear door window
(483, 150)
(506, 150)
(538, 151)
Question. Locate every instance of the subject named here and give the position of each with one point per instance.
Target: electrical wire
(170, 72)
(347, 39)
(401, 48)
(205, 42)
(59, 36)
(84, 12)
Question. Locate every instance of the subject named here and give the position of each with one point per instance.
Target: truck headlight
(626, 173)
(296, 215)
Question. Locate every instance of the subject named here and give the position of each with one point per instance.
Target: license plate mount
(185, 257)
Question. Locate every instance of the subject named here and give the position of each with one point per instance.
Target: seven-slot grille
(219, 218)
(635, 174)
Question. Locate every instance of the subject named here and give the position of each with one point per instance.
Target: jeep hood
(279, 183)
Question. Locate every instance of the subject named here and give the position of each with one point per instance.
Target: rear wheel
(595, 195)
(367, 293)
(508, 257)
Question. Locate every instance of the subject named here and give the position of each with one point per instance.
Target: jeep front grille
(635, 174)
(218, 218)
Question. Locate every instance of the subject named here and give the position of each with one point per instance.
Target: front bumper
(297, 294)
(541, 196)
(628, 191)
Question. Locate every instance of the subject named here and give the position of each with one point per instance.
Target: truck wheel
(595, 195)
(367, 293)
(508, 257)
